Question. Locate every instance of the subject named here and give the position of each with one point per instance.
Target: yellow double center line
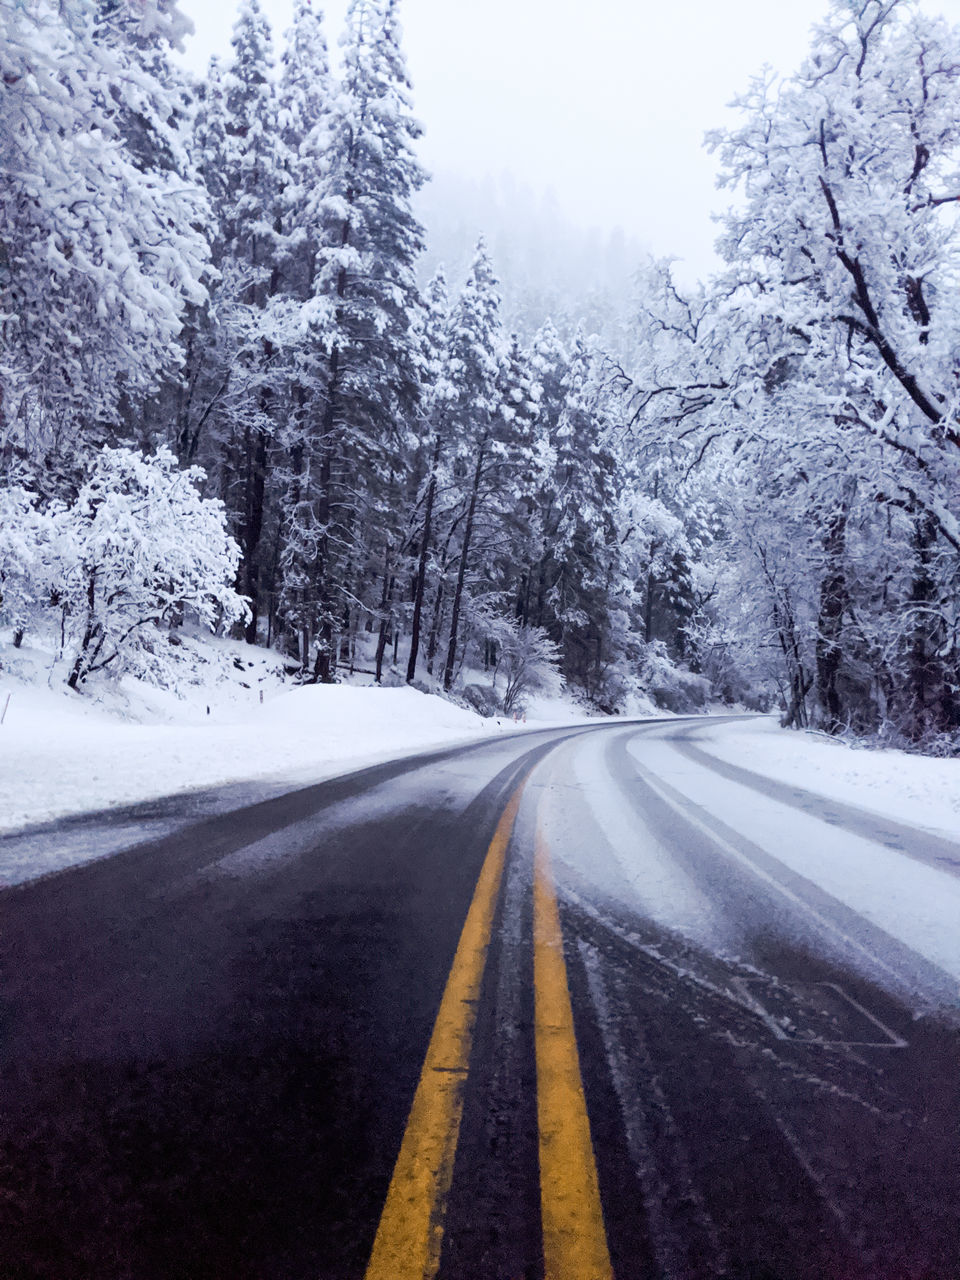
(410, 1235)
(574, 1240)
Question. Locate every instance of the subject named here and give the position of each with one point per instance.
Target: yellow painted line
(574, 1239)
(410, 1234)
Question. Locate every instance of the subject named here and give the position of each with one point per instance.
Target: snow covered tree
(438, 395)
(237, 281)
(845, 255)
(252, 222)
(820, 371)
(362, 314)
(101, 250)
(27, 560)
(137, 549)
(527, 463)
(582, 572)
(529, 662)
(474, 355)
(304, 102)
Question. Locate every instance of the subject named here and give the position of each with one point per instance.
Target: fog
(594, 112)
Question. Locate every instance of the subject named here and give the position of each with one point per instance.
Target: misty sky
(605, 103)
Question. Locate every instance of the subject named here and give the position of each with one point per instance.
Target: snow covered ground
(62, 754)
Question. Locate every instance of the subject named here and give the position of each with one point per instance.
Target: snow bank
(62, 754)
(56, 759)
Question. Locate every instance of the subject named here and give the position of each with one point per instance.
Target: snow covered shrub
(26, 559)
(139, 548)
(482, 699)
(100, 224)
(672, 687)
(530, 662)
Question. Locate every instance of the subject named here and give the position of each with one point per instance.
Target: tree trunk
(323, 670)
(541, 589)
(462, 570)
(795, 715)
(433, 643)
(652, 584)
(386, 599)
(422, 566)
(833, 603)
(926, 673)
(648, 608)
(255, 461)
(253, 528)
(78, 672)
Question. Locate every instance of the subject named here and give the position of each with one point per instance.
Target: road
(541, 1006)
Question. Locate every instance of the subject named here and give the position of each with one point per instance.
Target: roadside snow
(918, 790)
(57, 760)
(62, 754)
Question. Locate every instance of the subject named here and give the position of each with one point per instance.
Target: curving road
(575, 1004)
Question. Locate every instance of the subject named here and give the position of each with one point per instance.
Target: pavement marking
(574, 1238)
(788, 1031)
(410, 1235)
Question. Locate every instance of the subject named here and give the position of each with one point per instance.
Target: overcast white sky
(604, 102)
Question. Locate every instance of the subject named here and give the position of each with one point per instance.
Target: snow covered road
(881, 894)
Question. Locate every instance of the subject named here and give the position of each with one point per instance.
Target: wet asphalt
(210, 1039)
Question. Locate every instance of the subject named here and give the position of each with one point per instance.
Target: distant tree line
(755, 490)
(228, 270)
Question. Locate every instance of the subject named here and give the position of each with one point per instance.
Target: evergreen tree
(306, 94)
(474, 346)
(528, 463)
(305, 97)
(438, 395)
(581, 536)
(252, 222)
(362, 315)
(388, 466)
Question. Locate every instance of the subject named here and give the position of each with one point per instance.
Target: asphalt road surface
(518, 1010)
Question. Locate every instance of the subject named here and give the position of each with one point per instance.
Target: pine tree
(438, 393)
(581, 537)
(474, 345)
(252, 227)
(364, 305)
(186, 411)
(305, 101)
(530, 460)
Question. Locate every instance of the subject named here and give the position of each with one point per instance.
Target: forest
(231, 398)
